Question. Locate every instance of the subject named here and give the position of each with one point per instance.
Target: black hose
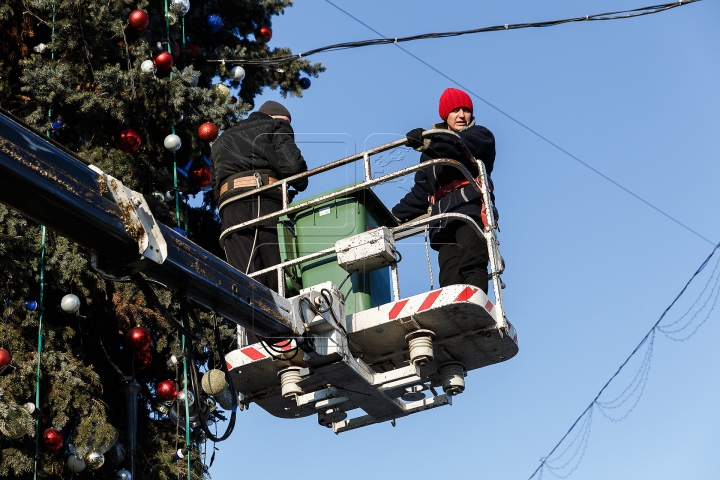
(196, 383)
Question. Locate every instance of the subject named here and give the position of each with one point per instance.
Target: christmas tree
(130, 86)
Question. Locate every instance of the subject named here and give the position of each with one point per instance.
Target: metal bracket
(137, 219)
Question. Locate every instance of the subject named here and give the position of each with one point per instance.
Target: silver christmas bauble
(94, 459)
(172, 142)
(75, 464)
(238, 73)
(123, 475)
(148, 66)
(70, 303)
(179, 7)
(182, 396)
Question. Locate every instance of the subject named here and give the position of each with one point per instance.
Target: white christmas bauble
(148, 66)
(238, 73)
(123, 475)
(75, 464)
(172, 142)
(70, 303)
(179, 7)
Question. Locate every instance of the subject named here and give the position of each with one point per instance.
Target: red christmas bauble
(175, 50)
(192, 50)
(167, 390)
(5, 358)
(263, 34)
(163, 60)
(138, 20)
(233, 100)
(144, 358)
(200, 176)
(208, 132)
(138, 338)
(52, 440)
(129, 140)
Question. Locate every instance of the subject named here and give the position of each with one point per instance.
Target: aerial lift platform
(379, 364)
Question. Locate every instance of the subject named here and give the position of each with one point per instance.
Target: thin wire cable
(40, 345)
(642, 342)
(545, 139)
(618, 15)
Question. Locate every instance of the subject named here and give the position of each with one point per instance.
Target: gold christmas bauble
(94, 459)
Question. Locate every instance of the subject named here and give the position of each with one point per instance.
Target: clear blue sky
(589, 268)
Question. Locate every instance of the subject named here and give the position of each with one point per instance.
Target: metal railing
(405, 230)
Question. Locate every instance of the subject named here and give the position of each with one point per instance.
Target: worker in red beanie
(462, 252)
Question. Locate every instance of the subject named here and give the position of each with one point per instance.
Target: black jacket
(259, 142)
(481, 143)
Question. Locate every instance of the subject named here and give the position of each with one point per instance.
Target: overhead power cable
(637, 348)
(534, 132)
(619, 15)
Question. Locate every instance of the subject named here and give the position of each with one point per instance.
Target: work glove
(415, 139)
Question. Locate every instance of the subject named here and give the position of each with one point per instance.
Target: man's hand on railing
(415, 139)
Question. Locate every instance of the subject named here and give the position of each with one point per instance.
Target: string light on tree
(263, 34)
(138, 20)
(129, 140)
(172, 142)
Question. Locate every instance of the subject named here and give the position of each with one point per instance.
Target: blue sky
(589, 267)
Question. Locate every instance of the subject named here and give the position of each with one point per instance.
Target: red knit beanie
(451, 99)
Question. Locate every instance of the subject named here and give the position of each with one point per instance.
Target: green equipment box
(319, 227)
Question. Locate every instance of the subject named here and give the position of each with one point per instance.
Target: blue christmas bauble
(180, 231)
(57, 124)
(304, 83)
(214, 23)
(31, 305)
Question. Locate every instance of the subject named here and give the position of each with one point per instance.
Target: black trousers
(462, 256)
(239, 246)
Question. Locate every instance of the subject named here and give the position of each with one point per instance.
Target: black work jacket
(481, 143)
(259, 142)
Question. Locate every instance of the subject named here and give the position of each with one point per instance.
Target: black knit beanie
(274, 108)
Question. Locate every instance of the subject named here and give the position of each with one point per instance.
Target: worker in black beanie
(258, 151)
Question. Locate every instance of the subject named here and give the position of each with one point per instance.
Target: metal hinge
(137, 219)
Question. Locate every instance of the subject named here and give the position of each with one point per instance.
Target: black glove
(415, 139)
